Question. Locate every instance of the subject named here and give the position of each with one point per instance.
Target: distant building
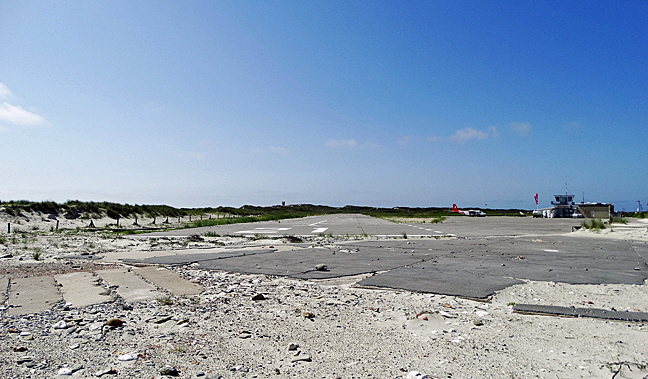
(596, 210)
(565, 207)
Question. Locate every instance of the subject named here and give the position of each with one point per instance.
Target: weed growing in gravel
(36, 255)
(211, 234)
(164, 300)
(404, 235)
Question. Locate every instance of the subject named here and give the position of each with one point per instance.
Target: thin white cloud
(434, 139)
(466, 134)
(521, 128)
(11, 114)
(16, 115)
(342, 143)
(5, 92)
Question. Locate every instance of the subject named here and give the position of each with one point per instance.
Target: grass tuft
(36, 255)
(595, 225)
(164, 300)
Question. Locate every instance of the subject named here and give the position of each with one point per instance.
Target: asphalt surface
(354, 224)
(462, 256)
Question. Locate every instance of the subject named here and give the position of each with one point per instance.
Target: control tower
(564, 206)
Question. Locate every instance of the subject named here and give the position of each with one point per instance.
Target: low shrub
(595, 225)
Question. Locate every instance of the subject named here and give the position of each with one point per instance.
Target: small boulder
(114, 322)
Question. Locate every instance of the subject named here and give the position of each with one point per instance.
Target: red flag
(536, 198)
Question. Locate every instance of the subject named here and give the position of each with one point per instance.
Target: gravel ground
(259, 326)
(301, 329)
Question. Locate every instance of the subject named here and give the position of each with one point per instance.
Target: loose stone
(169, 371)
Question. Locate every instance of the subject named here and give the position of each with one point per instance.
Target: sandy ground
(309, 329)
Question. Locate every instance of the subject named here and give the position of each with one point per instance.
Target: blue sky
(381, 103)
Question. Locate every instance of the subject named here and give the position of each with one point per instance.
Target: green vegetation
(240, 219)
(36, 255)
(618, 220)
(400, 220)
(595, 225)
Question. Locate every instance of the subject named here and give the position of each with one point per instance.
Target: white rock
(60, 325)
(65, 371)
(446, 314)
(127, 357)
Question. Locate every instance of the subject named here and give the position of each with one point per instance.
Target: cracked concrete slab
(168, 280)
(82, 289)
(129, 286)
(32, 295)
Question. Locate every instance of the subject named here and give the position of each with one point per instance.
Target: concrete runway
(463, 256)
(354, 224)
